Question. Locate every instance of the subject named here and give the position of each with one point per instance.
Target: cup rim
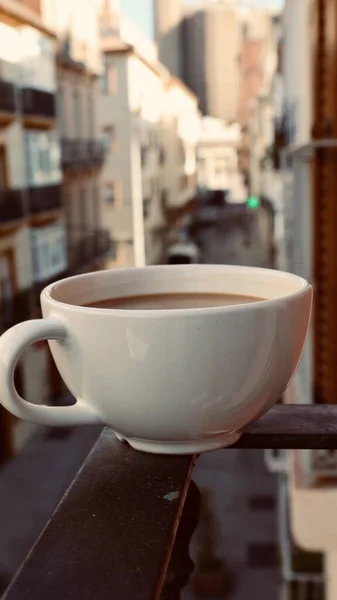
(304, 287)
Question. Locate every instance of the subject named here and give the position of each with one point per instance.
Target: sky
(141, 11)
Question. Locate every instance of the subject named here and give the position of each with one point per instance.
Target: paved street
(242, 492)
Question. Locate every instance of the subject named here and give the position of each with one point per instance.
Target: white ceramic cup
(167, 381)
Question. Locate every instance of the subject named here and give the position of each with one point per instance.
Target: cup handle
(12, 344)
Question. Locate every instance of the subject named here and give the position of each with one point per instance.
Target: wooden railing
(123, 529)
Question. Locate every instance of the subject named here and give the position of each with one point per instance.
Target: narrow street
(242, 493)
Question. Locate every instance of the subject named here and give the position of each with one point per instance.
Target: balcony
(38, 103)
(69, 53)
(44, 198)
(15, 309)
(7, 97)
(86, 249)
(96, 151)
(11, 205)
(81, 154)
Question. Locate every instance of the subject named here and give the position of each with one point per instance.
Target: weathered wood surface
(289, 426)
(113, 533)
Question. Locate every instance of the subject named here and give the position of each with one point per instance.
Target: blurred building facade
(150, 123)
(217, 158)
(168, 34)
(305, 144)
(49, 187)
(30, 180)
(198, 41)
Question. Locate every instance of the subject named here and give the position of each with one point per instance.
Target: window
(77, 114)
(44, 160)
(108, 81)
(104, 79)
(109, 194)
(112, 252)
(112, 80)
(109, 137)
(143, 155)
(146, 207)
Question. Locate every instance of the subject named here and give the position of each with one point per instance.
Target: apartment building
(256, 111)
(50, 156)
(217, 158)
(199, 42)
(168, 34)
(150, 123)
(30, 180)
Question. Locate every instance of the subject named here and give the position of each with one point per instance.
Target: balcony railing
(38, 103)
(96, 150)
(11, 205)
(44, 198)
(7, 96)
(82, 153)
(87, 248)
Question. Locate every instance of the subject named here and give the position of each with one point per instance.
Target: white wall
(38, 68)
(81, 17)
(297, 64)
(12, 137)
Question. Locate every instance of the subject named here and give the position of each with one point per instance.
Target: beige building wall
(144, 110)
(12, 139)
(222, 45)
(211, 37)
(76, 23)
(115, 122)
(168, 34)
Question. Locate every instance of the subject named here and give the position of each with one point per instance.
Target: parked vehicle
(183, 253)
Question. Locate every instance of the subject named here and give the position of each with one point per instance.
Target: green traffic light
(253, 202)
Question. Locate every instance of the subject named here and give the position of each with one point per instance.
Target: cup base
(191, 447)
